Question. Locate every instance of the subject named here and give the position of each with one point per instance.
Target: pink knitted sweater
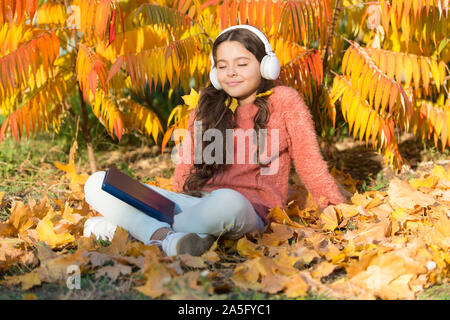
(297, 143)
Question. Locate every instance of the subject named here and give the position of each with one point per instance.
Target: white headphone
(270, 65)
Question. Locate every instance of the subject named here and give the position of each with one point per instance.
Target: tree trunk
(85, 121)
(331, 31)
(87, 134)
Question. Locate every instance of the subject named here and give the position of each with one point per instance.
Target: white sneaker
(177, 243)
(100, 227)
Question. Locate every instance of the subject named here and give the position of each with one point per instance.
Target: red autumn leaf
(118, 128)
(115, 67)
(112, 27)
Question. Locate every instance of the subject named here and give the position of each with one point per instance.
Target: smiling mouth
(233, 83)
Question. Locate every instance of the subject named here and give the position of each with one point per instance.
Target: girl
(229, 199)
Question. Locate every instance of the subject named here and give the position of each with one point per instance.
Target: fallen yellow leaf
(248, 248)
(429, 182)
(330, 218)
(279, 216)
(46, 233)
(29, 296)
(27, 280)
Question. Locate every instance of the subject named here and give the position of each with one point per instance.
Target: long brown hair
(214, 112)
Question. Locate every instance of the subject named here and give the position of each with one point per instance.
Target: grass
(376, 184)
(438, 292)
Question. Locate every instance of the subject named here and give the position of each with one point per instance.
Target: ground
(27, 171)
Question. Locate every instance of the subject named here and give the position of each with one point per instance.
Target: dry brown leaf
(161, 182)
(191, 261)
(114, 271)
(76, 180)
(137, 248)
(246, 274)
(21, 217)
(385, 275)
(137, 261)
(347, 210)
(191, 286)
(296, 286)
(211, 256)
(176, 266)
(360, 200)
(44, 252)
(97, 259)
(370, 233)
(119, 244)
(382, 212)
(56, 270)
(445, 197)
(376, 201)
(283, 232)
(286, 259)
(323, 269)
(158, 276)
(317, 287)
(440, 234)
(332, 253)
(15, 251)
(402, 194)
(274, 284)
(87, 244)
(273, 239)
(306, 255)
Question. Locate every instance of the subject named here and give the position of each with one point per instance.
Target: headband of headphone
(270, 65)
(256, 31)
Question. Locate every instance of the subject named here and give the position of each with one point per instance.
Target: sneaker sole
(194, 245)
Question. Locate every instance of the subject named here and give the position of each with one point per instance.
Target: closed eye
(240, 65)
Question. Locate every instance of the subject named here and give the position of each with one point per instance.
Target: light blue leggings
(222, 211)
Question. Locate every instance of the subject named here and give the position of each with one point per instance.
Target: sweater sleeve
(305, 152)
(186, 158)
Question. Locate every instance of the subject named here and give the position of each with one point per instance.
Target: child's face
(238, 71)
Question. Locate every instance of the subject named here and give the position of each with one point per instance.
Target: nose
(231, 71)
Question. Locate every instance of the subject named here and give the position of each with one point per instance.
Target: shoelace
(159, 242)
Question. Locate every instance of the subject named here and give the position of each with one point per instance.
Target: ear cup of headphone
(270, 67)
(214, 79)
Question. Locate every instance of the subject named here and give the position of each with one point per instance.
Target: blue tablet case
(133, 192)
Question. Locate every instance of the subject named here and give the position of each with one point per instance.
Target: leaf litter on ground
(380, 244)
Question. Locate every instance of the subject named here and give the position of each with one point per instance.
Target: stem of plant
(86, 134)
